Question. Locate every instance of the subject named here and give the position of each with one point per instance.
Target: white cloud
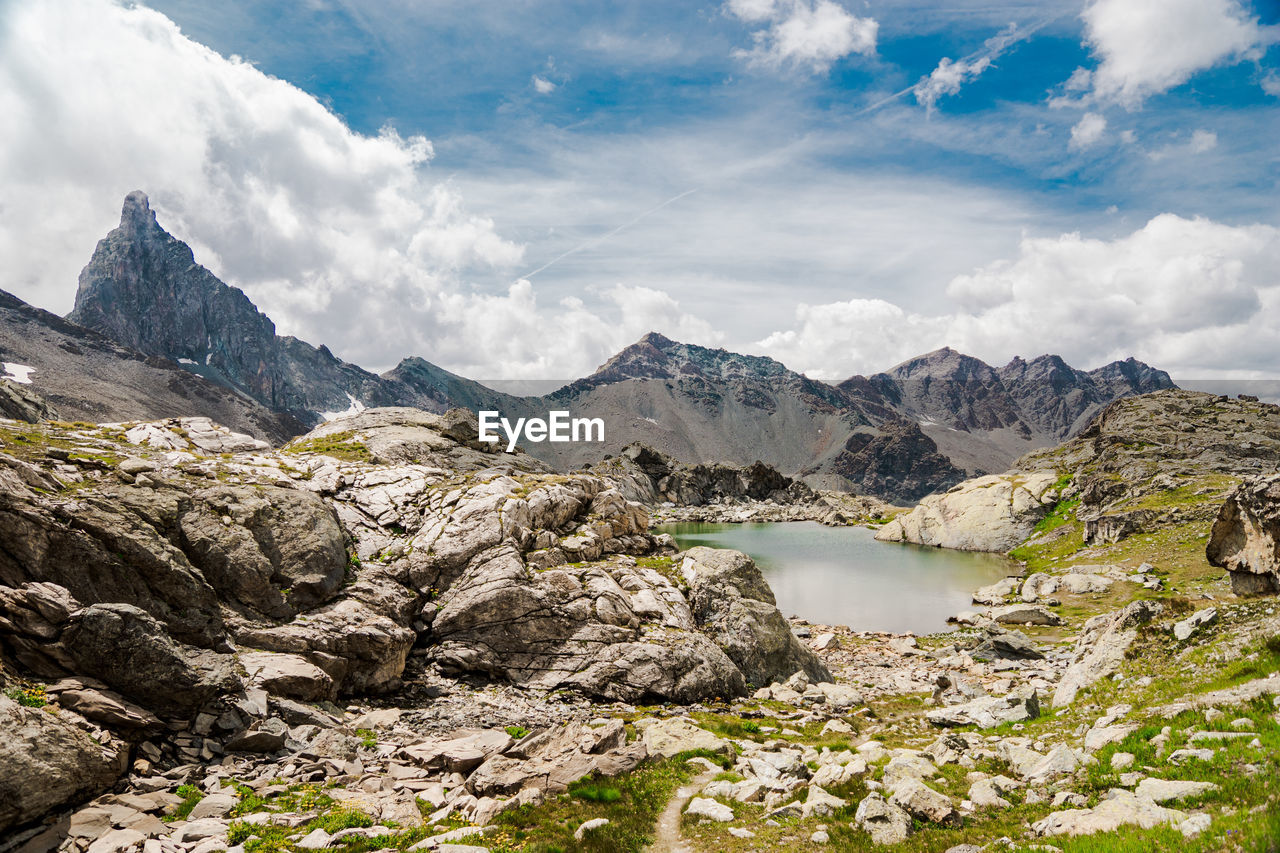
(1087, 132)
(947, 78)
(1145, 47)
(803, 33)
(1201, 141)
(1271, 84)
(1191, 296)
(542, 85)
(343, 239)
(497, 331)
(950, 75)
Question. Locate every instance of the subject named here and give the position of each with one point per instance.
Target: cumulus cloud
(1192, 296)
(542, 85)
(1271, 84)
(1087, 132)
(1145, 47)
(343, 238)
(811, 34)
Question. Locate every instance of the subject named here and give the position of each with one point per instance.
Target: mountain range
(191, 344)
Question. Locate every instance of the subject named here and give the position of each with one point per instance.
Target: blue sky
(766, 175)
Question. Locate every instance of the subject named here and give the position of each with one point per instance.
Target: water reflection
(843, 576)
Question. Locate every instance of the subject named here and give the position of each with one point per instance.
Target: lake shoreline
(841, 576)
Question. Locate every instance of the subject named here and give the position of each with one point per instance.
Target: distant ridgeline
(917, 428)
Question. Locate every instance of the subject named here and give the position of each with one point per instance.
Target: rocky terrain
(384, 637)
(676, 491)
(918, 428)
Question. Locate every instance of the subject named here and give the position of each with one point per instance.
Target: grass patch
(641, 796)
(340, 445)
(191, 795)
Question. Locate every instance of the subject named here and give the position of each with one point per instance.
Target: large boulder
(1245, 539)
(734, 606)
(582, 627)
(1101, 647)
(551, 760)
(360, 649)
(992, 513)
(989, 711)
(1121, 809)
(130, 651)
(46, 761)
(275, 550)
(118, 532)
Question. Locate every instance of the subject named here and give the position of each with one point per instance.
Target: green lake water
(843, 576)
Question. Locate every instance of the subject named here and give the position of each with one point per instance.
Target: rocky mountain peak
(136, 214)
(945, 363)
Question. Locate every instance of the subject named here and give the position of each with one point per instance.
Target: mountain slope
(919, 427)
(86, 377)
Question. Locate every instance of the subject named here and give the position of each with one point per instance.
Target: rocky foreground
(383, 637)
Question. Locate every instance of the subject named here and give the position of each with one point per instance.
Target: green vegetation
(340, 445)
(190, 796)
(29, 696)
(1062, 513)
(368, 738)
(632, 814)
(595, 792)
(517, 732)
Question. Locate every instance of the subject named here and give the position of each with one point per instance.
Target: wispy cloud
(950, 74)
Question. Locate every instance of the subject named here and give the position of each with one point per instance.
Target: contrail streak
(598, 240)
(987, 51)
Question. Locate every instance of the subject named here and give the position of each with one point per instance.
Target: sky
(517, 190)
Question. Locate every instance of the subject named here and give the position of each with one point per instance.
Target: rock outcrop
(1101, 647)
(732, 603)
(993, 513)
(47, 761)
(1245, 539)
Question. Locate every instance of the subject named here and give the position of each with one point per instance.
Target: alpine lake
(843, 576)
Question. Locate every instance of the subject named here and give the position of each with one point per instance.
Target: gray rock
(732, 603)
(1025, 614)
(989, 711)
(287, 675)
(266, 735)
(1243, 538)
(991, 513)
(131, 651)
(104, 706)
(1168, 790)
(1185, 629)
(885, 822)
(48, 748)
(360, 649)
(1122, 809)
(708, 809)
(1100, 649)
(923, 803)
(283, 552)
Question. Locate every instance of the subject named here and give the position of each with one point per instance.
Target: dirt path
(667, 838)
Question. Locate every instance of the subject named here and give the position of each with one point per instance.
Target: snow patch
(355, 408)
(19, 373)
(187, 361)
